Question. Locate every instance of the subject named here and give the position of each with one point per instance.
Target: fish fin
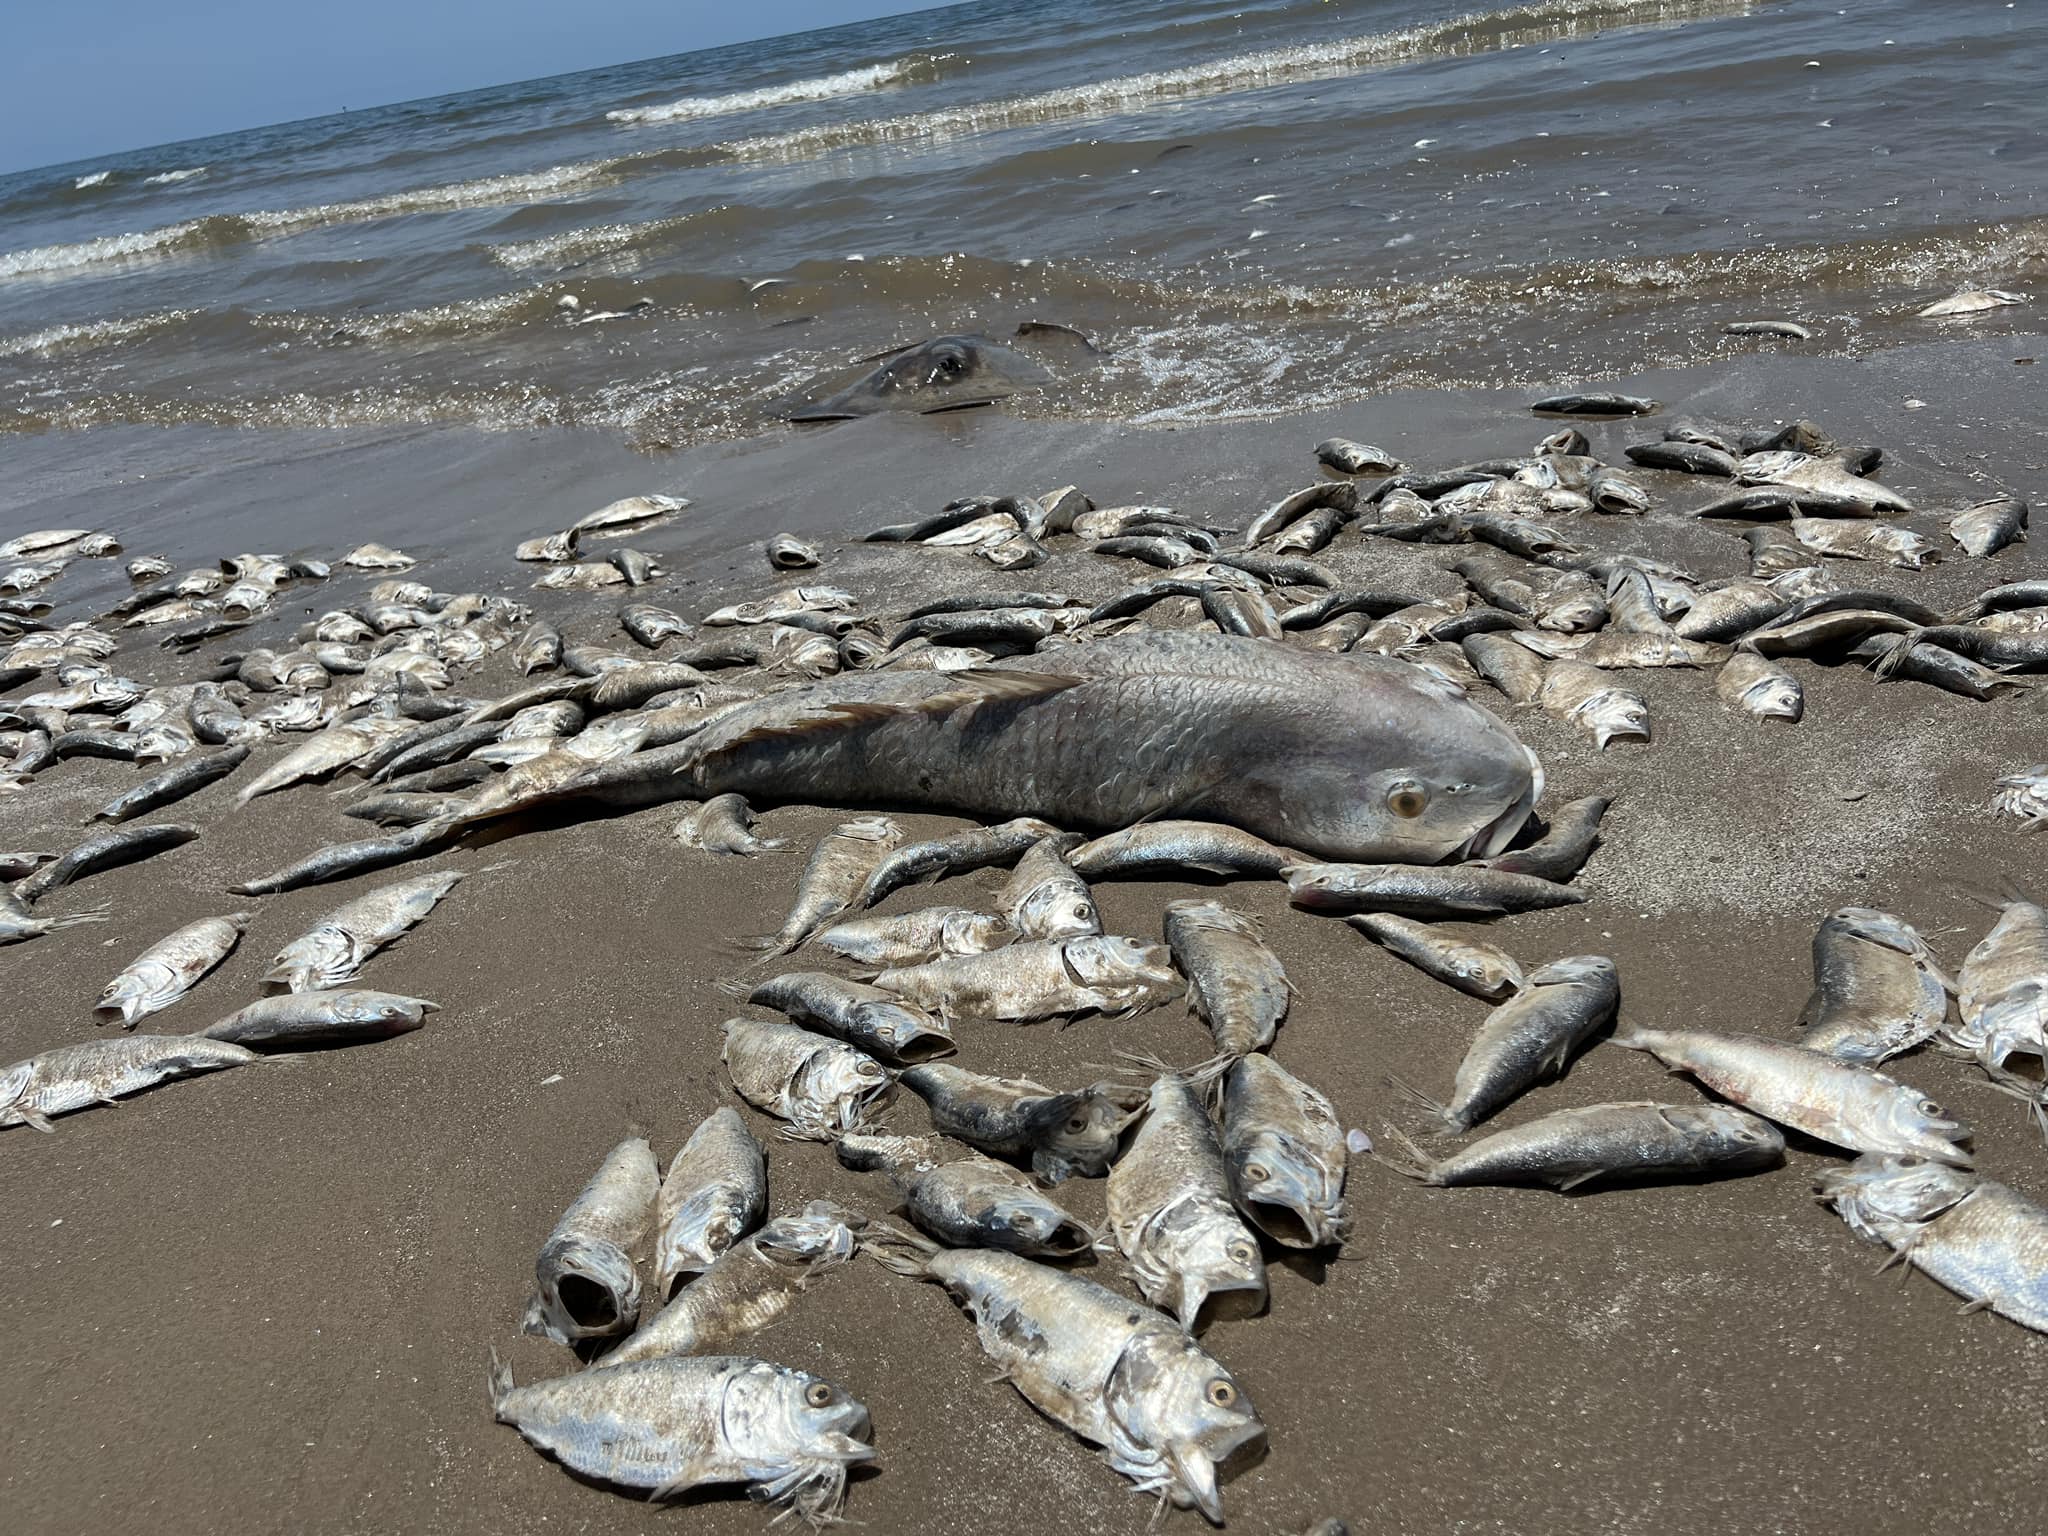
(1416, 1096)
(500, 1382)
(1566, 1186)
(1893, 651)
(1980, 1305)
(1407, 1157)
(1628, 1036)
(973, 689)
(899, 1251)
(35, 1119)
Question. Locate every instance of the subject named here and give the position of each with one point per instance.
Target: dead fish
(585, 1284)
(1155, 847)
(1061, 1133)
(1586, 697)
(1986, 528)
(1045, 899)
(103, 851)
(1732, 610)
(1237, 612)
(1567, 842)
(628, 512)
(322, 1018)
(1168, 1199)
(1877, 988)
(1529, 1038)
(18, 924)
(327, 753)
(956, 853)
(714, 1194)
(42, 540)
(168, 969)
(913, 937)
(1791, 330)
(378, 557)
(74, 1077)
(587, 576)
(548, 549)
(1284, 1154)
(1465, 963)
(2002, 992)
(671, 1425)
(1119, 1375)
(820, 1087)
(1613, 492)
(787, 552)
(1835, 1101)
(1907, 657)
(1594, 403)
(838, 870)
(172, 785)
(333, 950)
(1236, 985)
(339, 861)
(1970, 301)
(1760, 687)
(1422, 890)
(1632, 1142)
(2023, 794)
(1514, 669)
(724, 824)
(747, 1287)
(1854, 539)
(1977, 1237)
(651, 625)
(1038, 980)
(1349, 458)
(861, 1015)
(971, 1202)
(538, 649)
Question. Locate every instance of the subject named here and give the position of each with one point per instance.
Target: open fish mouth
(1494, 837)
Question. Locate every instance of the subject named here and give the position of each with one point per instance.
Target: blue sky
(94, 77)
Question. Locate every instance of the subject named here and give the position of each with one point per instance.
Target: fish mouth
(1494, 837)
(1291, 1220)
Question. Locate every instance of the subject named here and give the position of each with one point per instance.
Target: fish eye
(1909, 1162)
(1407, 799)
(1257, 1173)
(818, 1394)
(1221, 1393)
(1929, 1107)
(1242, 1252)
(1077, 1125)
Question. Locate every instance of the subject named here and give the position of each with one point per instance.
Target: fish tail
(499, 1381)
(1416, 1096)
(900, 1252)
(1894, 652)
(96, 914)
(1629, 1036)
(1406, 1157)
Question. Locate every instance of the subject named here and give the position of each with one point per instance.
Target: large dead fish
(1349, 757)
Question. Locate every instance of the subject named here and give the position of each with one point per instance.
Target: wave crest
(913, 69)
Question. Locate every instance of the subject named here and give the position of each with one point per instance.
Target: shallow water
(1252, 207)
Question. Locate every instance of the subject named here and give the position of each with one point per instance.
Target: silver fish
(724, 824)
(1760, 687)
(1838, 1102)
(1877, 989)
(168, 969)
(914, 937)
(2023, 794)
(668, 1426)
(1061, 1133)
(1586, 697)
(1468, 964)
(1983, 1240)
(331, 952)
(1421, 891)
(74, 1077)
(2002, 993)
(1170, 1211)
(1038, 980)
(1236, 985)
(820, 1087)
(586, 1285)
(714, 1193)
(1530, 1037)
(1284, 1153)
(787, 552)
(322, 1018)
(1156, 847)
(972, 1202)
(19, 923)
(1986, 528)
(953, 854)
(747, 1287)
(1571, 1147)
(863, 1016)
(1045, 899)
(1119, 1375)
(838, 870)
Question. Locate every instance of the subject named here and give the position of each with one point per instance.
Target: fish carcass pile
(1240, 716)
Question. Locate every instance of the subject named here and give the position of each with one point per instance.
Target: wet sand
(261, 1300)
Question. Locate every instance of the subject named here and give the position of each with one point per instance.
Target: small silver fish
(714, 1193)
(168, 969)
(586, 1285)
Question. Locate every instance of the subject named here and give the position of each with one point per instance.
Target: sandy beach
(262, 1301)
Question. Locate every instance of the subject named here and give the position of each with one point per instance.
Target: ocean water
(1251, 207)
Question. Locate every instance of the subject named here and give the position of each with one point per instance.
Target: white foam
(87, 334)
(44, 259)
(96, 179)
(850, 82)
(167, 178)
(580, 244)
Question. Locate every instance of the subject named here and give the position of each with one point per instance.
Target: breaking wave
(914, 69)
(171, 178)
